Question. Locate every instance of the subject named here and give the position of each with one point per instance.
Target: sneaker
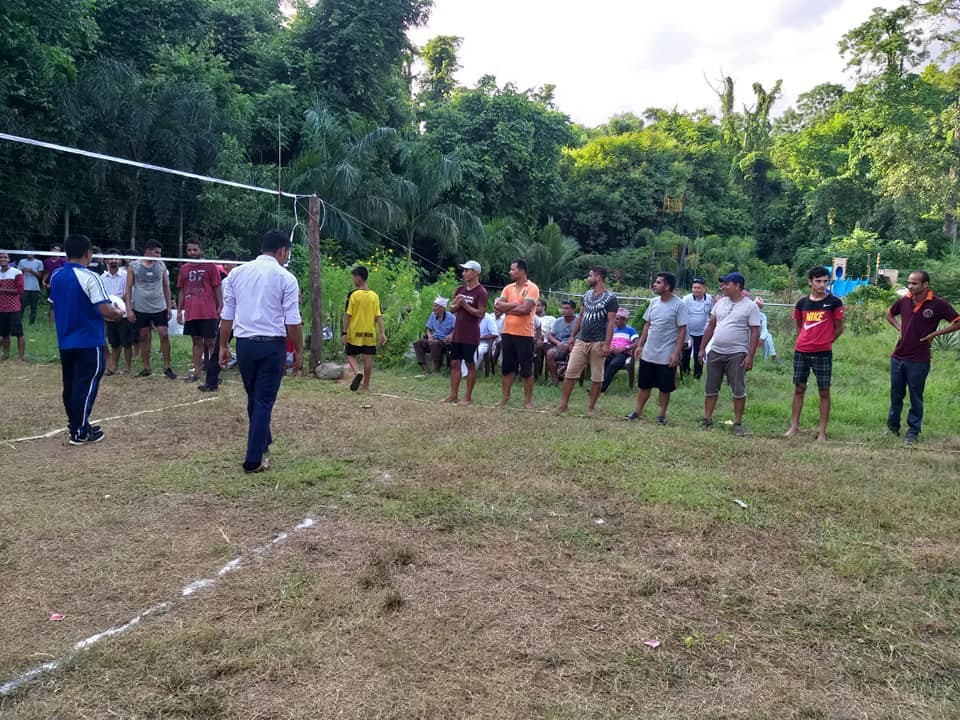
(634, 415)
(146, 372)
(661, 419)
(910, 439)
(190, 378)
(705, 423)
(355, 383)
(890, 432)
(93, 435)
(739, 430)
(207, 388)
(262, 467)
(170, 374)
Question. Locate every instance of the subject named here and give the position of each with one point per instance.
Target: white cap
(441, 301)
(471, 265)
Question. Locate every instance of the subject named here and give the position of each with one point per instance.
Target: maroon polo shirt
(917, 322)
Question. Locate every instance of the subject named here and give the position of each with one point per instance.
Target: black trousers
(685, 357)
(82, 369)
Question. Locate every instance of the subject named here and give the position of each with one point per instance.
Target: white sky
(612, 56)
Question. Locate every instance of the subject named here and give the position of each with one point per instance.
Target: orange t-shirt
(519, 324)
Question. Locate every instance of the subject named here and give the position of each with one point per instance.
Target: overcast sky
(612, 56)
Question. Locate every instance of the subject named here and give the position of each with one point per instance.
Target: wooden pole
(316, 298)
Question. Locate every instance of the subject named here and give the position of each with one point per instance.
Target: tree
(440, 56)
(888, 43)
(549, 256)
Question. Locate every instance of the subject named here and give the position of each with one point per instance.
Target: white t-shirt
(734, 320)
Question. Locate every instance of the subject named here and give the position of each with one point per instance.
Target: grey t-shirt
(562, 329)
(734, 320)
(698, 314)
(593, 315)
(147, 295)
(665, 320)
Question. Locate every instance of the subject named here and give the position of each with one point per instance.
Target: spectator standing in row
(198, 306)
(660, 347)
(819, 319)
(51, 264)
(120, 333)
(699, 304)
(11, 309)
(592, 334)
(517, 303)
(470, 305)
(261, 307)
(439, 331)
(362, 321)
(915, 316)
(732, 336)
(211, 382)
(148, 305)
(32, 270)
(81, 305)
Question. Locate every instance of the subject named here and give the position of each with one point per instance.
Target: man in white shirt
(732, 334)
(261, 308)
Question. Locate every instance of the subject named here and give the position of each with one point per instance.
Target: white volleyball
(119, 304)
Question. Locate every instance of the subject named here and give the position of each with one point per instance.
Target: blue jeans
(907, 375)
(82, 369)
(261, 368)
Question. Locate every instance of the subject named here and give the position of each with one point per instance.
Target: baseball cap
(623, 312)
(471, 265)
(734, 277)
(698, 279)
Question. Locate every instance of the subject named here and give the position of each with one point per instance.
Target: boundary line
(54, 433)
(10, 686)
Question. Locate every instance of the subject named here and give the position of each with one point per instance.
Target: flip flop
(355, 383)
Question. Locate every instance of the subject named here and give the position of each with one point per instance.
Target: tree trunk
(316, 298)
(953, 196)
(66, 222)
(180, 233)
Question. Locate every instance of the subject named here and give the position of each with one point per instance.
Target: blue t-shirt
(441, 328)
(76, 292)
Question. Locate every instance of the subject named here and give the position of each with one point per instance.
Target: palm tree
(550, 255)
(420, 191)
(338, 164)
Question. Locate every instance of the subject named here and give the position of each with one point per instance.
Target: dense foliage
(332, 99)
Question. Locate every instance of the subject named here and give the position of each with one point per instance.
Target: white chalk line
(187, 590)
(54, 433)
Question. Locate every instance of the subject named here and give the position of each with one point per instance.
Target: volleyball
(118, 303)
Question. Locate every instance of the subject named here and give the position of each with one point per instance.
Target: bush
(866, 308)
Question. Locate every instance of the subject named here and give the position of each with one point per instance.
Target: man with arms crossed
(148, 305)
(919, 313)
(819, 318)
(363, 312)
(661, 344)
(80, 305)
(590, 339)
(199, 302)
(261, 307)
(734, 329)
(517, 302)
(469, 304)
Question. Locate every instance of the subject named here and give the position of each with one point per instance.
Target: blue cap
(734, 277)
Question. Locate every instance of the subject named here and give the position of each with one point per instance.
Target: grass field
(481, 562)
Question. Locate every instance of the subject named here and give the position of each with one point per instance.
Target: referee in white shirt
(261, 307)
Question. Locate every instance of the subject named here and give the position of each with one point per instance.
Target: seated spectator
(542, 343)
(439, 331)
(557, 339)
(622, 344)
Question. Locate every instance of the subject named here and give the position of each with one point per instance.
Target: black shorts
(11, 324)
(463, 351)
(516, 353)
(360, 349)
(820, 362)
(651, 375)
(157, 319)
(202, 328)
(121, 333)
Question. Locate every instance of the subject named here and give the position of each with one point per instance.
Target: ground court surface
(466, 562)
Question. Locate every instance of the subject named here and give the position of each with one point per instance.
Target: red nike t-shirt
(819, 318)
